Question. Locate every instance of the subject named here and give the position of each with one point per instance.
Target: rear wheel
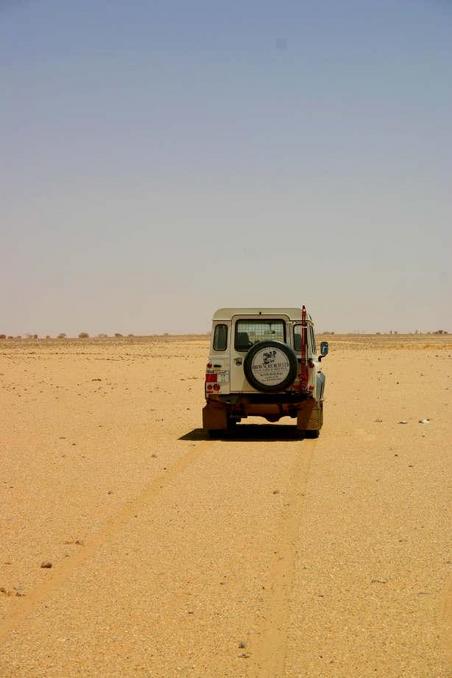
(232, 423)
(310, 434)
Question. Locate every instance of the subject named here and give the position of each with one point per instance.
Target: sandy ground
(254, 555)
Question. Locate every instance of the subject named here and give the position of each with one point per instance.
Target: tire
(311, 434)
(270, 366)
(232, 423)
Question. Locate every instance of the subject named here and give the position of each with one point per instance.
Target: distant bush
(83, 335)
(102, 335)
(2, 336)
(130, 335)
(62, 335)
(118, 335)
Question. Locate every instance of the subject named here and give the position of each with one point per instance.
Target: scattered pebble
(403, 421)
(46, 564)
(242, 645)
(16, 592)
(275, 491)
(79, 542)
(379, 421)
(424, 421)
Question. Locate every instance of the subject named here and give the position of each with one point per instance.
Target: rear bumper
(233, 399)
(220, 409)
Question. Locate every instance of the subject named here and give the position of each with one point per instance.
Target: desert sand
(257, 554)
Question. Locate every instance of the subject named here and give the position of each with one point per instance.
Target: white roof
(227, 313)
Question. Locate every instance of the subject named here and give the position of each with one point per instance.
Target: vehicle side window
(297, 338)
(314, 350)
(220, 338)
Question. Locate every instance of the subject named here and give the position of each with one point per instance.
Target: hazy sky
(160, 159)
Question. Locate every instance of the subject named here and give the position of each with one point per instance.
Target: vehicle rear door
(245, 332)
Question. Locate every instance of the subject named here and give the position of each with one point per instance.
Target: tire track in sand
(112, 525)
(269, 652)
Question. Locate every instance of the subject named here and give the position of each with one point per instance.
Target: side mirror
(323, 349)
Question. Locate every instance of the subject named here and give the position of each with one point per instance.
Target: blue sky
(162, 159)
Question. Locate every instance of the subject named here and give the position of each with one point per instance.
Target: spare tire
(270, 366)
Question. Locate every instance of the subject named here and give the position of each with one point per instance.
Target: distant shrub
(83, 335)
(130, 335)
(2, 336)
(118, 335)
(102, 335)
(62, 335)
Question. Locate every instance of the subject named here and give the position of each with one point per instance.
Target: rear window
(220, 338)
(249, 332)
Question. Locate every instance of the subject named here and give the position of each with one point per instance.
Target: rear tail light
(211, 377)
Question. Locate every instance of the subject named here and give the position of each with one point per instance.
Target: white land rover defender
(263, 362)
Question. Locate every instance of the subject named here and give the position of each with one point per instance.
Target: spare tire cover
(270, 366)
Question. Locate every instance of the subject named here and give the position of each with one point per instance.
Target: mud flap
(310, 415)
(214, 417)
